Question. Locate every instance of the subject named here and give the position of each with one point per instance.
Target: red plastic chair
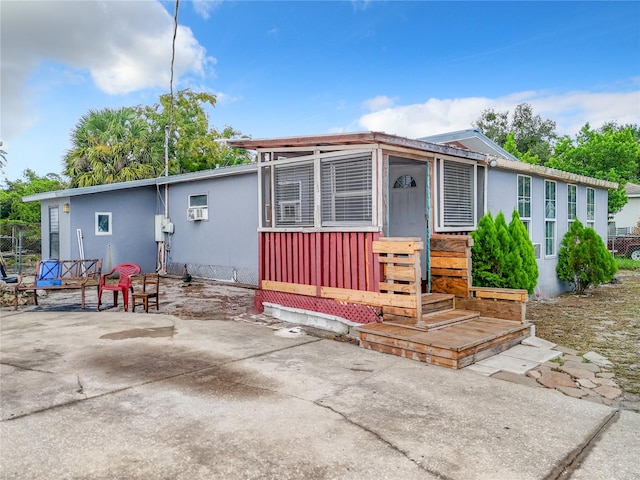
(125, 271)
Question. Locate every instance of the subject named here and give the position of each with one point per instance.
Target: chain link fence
(20, 245)
(245, 276)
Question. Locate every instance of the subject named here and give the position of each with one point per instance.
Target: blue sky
(297, 68)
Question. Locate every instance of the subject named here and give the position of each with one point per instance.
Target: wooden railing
(504, 303)
(451, 264)
(451, 273)
(402, 276)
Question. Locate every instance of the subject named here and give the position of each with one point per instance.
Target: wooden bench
(60, 275)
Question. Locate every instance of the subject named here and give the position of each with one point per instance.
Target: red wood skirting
(324, 259)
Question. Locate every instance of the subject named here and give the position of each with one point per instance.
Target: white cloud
(570, 111)
(124, 46)
(379, 103)
(205, 7)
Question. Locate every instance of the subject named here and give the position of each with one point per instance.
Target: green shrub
(527, 277)
(486, 254)
(502, 255)
(583, 259)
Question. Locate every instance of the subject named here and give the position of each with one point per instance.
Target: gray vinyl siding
(226, 246)
(502, 196)
(132, 217)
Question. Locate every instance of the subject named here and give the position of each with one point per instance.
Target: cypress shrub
(511, 262)
(527, 276)
(583, 259)
(502, 255)
(486, 255)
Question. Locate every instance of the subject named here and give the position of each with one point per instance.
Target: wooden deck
(444, 336)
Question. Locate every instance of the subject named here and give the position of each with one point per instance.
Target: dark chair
(3, 275)
(150, 291)
(125, 272)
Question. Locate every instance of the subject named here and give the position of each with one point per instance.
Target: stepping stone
(515, 378)
(608, 392)
(598, 359)
(578, 372)
(556, 379)
(572, 391)
(586, 383)
(508, 364)
(538, 342)
(532, 354)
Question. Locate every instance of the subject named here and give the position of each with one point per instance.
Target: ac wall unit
(196, 214)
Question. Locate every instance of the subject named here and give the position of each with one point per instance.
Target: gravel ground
(606, 320)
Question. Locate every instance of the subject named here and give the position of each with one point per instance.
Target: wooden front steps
(445, 336)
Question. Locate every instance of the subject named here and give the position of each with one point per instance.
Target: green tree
(583, 259)
(3, 158)
(486, 254)
(511, 262)
(129, 143)
(511, 147)
(502, 255)
(527, 276)
(11, 205)
(609, 153)
(110, 146)
(193, 144)
(533, 136)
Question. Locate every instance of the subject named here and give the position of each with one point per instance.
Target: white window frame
(303, 174)
(99, 225)
(572, 203)
(591, 208)
(550, 218)
(365, 194)
(197, 195)
(442, 224)
(526, 219)
(311, 201)
(283, 217)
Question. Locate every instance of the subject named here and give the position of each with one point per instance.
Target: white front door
(408, 214)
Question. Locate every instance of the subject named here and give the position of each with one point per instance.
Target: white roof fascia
(108, 187)
(539, 170)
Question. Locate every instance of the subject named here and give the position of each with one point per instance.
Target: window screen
(457, 194)
(294, 195)
(346, 191)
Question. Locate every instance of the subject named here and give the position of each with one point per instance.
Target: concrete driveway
(135, 396)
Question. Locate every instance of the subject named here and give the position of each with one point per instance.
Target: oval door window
(405, 181)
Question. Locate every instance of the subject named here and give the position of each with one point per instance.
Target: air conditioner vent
(197, 214)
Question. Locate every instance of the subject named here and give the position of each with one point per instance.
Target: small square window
(103, 223)
(200, 200)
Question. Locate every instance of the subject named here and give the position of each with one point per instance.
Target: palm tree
(3, 158)
(109, 146)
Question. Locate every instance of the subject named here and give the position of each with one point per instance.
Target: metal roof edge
(211, 173)
(369, 137)
(74, 192)
(552, 173)
(147, 182)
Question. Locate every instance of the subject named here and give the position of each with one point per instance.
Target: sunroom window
(460, 195)
(346, 191)
(294, 195)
